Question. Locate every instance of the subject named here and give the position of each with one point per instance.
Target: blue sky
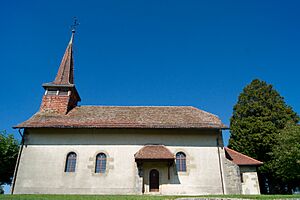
(199, 53)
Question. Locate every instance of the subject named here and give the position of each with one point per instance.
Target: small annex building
(168, 150)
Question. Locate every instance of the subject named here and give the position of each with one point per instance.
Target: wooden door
(154, 180)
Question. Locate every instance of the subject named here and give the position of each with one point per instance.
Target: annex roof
(239, 158)
(125, 117)
(154, 152)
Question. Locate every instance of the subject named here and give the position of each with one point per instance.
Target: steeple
(61, 95)
(65, 74)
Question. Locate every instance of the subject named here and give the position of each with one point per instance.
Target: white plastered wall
(42, 163)
(250, 183)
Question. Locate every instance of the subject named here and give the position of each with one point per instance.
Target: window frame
(70, 165)
(181, 162)
(100, 162)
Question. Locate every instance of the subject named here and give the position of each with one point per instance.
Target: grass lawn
(133, 197)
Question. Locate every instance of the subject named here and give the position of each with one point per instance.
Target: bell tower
(61, 95)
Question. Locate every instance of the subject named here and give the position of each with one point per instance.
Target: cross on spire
(75, 23)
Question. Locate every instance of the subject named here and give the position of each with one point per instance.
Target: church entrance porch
(154, 164)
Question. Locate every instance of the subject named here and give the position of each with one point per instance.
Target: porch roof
(154, 152)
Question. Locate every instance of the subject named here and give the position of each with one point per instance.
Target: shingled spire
(61, 95)
(65, 74)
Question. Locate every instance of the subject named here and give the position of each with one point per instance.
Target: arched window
(71, 162)
(181, 162)
(100, 163)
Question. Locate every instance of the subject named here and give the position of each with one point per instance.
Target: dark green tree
(258, 116)
(9, 147)
(286, 156)
(1, 190)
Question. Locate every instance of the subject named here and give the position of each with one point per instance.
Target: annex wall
(232, 177)
(42, 162)
(250, 184)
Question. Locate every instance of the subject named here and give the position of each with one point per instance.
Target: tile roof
(239, 158)
(154, 152)
(125, 117)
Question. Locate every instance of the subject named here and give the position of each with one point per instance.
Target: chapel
(69, 148)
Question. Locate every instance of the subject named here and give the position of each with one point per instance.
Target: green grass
(134, 197)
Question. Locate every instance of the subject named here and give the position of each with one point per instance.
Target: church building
(167, 150)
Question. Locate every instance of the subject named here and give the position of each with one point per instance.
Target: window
(63, 92)
(242, 178)
(51, 92)
(181, 162)
(100, 163)
(71, 162)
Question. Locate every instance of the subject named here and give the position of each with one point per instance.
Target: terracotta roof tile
(154, 152)
(239, 158)
(125, 117)
(65, 74)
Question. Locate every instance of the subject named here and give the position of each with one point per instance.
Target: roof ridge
(132, 106)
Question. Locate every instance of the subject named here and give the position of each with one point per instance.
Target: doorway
(154, 180)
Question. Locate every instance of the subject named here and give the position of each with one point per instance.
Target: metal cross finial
(73, 26)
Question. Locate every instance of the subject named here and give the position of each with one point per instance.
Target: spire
(65, 74)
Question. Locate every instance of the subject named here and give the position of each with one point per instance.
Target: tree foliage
(258, 117)
(286, 154)
(9, 147)
(1, 190)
